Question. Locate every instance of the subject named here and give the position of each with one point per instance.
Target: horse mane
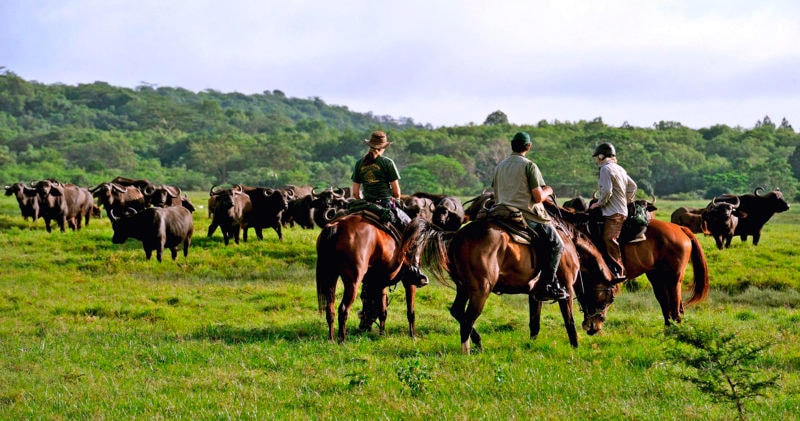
(427, 244)
(591, 257)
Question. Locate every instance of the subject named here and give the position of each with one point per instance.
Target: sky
(444, 63)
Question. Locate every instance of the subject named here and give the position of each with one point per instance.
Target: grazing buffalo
(721, 219)
(156, 228)
(27, 198)
(67, 204)
(118, 198)
(758, 208)
(691, 218)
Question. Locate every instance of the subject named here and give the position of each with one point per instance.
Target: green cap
(521, 138)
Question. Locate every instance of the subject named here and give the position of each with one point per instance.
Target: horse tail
(325, 265)
(700, 285)
(427, 244)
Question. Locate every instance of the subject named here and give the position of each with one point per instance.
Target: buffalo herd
(234, 210)
(729, 215)
(161, 216)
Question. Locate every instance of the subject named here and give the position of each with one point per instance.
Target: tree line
(90, 133)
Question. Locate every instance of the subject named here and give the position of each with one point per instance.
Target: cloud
(444, 62)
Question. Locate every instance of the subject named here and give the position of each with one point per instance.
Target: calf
(691, 218)
(156, 228)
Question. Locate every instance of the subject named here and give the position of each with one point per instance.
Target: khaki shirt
(514, 178)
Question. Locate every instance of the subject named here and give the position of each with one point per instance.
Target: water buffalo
(230, 212)
(118, 198)
(417, 207)
(27, 198)
(67, 204)
(267, 207)
(691, 218)
(721, 219)
(448, 213)
(577, 203)
(156, 228)
(759, 208)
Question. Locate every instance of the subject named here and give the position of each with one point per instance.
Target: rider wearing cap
(517, 182)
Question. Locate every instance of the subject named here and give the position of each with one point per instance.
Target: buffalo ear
(740, 214)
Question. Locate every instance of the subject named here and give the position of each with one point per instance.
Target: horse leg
(383, 311)
(475, 303)
(667, 293)
(534, 316)
(411, 291)
(569, 321)
(348, 298)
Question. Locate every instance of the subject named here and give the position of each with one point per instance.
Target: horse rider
(376, 179)
(616, 190)
(517, 182)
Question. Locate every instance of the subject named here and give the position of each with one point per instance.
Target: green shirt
(375, 178)
(514, 178)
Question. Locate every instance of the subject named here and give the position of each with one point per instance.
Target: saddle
(510, 219)
(379, 216)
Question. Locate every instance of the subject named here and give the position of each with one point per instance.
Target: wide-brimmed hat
(377, 140)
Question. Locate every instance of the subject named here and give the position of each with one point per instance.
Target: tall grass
(89, 329)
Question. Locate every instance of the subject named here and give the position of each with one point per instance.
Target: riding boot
(548, 288)
(415, 276)
(611, 232)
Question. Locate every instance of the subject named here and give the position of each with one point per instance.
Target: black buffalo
(721, 219)
(67, 204)
(27, 199)
(115, 197)
(230, 210)
(448, 213)
(156, 228)
(267, 207)
(758, 208)
(577, 203)
(165, 195)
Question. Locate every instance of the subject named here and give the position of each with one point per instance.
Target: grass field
(91, 330)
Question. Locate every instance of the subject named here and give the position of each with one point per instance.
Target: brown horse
(663, 257)
(359, 251)
(481, 258)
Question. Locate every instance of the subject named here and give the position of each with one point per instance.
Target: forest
(91, 133)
